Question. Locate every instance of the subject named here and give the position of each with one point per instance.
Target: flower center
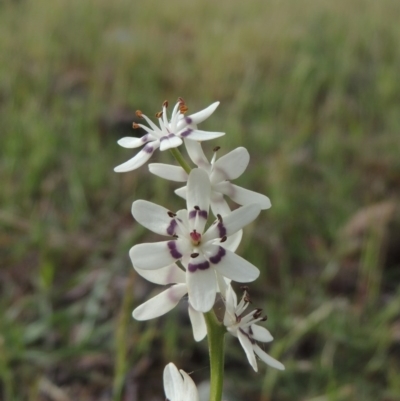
(195, 237)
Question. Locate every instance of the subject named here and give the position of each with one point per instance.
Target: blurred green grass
(311, 88)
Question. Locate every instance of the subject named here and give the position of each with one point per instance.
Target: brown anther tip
(135, 126)
(244, 287)
(265, 318)
(139, 113)
(224, 238)
(159, 114)
(219, 217)
(217, 148)
(175, 236)
(196, 208)
(171, 214)
(180, 100)
(183, 108)
(194, 255)
(165, 104)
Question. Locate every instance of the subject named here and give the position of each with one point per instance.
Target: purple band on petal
(173, 250)
(201, 266)
(217, 258)
(201, 213)
(221, 230)
(247, 335)
(165, 137)
(171, 227)
(144, 138)
(186, 133)
(188, 120)
(148, 148)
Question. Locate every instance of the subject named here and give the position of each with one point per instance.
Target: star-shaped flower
(169, 134)
(245, 328)
(178, 385)
(221, 171)
(204, 253)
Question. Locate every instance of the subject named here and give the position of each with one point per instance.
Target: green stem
(215, 335)
(179, 158)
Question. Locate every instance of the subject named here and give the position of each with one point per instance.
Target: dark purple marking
(202, 213)
(171, 227)
(221, 230)
(148, 148)
(145, 138)
(201, 266)
(188, 120)
(217, 258)
(186, 133)
(173, 250)
(247, 335)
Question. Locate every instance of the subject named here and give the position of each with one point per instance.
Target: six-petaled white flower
(169, 134)
(221, 171)
(204, 253)
(245, 328)
(178, 385)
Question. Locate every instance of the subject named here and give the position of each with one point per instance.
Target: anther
(171, 214)
(196, 208)
(224, 238)
(139, 113)
(165, 104)
(217, 148)
(219, 217)
(159, 114)
(175, 236)
(194, 255)
(265, 318)
(135, 126)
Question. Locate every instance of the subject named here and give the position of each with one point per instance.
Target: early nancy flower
(221, 171)
(203, 253)
(178, 385)
(245, 328)
(169, 134)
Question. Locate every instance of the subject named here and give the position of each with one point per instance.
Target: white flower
(221, 171)
(204, 254)
(168, 299)
(169, 135)
(246, 329)
(179, 386)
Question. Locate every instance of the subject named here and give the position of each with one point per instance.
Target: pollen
(135, 126)
(139, 113)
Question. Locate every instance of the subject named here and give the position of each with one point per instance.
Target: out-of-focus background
(310, 87)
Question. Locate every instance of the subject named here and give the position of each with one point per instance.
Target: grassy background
(310, 87)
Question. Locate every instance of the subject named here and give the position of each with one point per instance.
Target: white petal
(234, 267)
(131, 142)
(138, 160)
(198, 199)
(218, 204)
(189, 388)
(154, 217)
(267, 358)
(202, 285)
(182, 192)
(232, 222)
(260, 333)
(161, 303)
(156, 255)
(230, 166)
(171, 141)
(168, 172)
(230, 304)
(201, 115)
(198, 324)
(197, 155)
(243, 196)
(248, 349)
(173, 383)
(233, 241)
(170, 274)
(198, 135)
(223, 284)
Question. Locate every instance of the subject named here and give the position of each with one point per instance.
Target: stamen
(196, 208)
(171, 214)
(139, 113)
(165, 104)
(159, 114)
(219, 217)
(224, 238)
(182, 106)
(175, 236)
(194, 255)
(257, 313)
(135, 126)
(217, 148)
(264, 319)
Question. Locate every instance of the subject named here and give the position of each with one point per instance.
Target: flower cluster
(197, 260)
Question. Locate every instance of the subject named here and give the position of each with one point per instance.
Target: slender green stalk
(179, 158)
(215, 335)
